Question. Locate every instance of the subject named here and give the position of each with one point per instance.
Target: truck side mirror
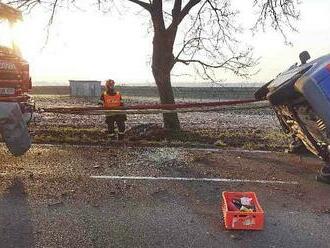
(304, 57)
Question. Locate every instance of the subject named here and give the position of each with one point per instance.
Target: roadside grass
(69, 135)
(250, 139)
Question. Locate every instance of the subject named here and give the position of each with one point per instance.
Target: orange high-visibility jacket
(110, 101)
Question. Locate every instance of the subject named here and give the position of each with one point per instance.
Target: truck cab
(15, 81)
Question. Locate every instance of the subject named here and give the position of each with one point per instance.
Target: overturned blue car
(300, 97)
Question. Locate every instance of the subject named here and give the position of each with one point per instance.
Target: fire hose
(151, 108)
(135, 108)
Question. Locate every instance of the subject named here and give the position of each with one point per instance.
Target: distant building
(85, 88)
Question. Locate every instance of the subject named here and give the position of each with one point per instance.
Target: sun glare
(89, 45)
(5, 34)
(25, 37)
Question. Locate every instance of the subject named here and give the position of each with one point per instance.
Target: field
(181, 93)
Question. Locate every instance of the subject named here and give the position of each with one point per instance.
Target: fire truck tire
(13, 129)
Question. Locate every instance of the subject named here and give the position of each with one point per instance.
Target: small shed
(85, 88)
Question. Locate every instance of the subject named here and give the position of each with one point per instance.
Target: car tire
(284, 93)
(262, 92)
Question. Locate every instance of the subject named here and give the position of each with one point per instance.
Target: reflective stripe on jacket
(110, 101)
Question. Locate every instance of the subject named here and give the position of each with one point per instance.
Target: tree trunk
(171, 120)
(162, 64)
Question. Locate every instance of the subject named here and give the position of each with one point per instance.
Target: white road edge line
(228, 180)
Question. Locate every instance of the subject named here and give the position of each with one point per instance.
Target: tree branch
(231, 61)
(180, 15)
(144, 5)
(208, 37)
(279, 14)
(158, 15)
(176, 9)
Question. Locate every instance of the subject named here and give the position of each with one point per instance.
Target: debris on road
(55, 204)
(147, 131)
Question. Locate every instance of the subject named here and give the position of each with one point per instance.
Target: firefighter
(111, 98)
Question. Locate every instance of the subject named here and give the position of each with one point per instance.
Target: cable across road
(158, 108)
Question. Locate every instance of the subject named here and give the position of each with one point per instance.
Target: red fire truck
(15, 80)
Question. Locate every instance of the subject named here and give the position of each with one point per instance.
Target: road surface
(48, 198)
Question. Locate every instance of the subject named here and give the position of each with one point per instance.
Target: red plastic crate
(242, 220)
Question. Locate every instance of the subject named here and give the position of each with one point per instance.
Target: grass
(250, 139)
(69, 135)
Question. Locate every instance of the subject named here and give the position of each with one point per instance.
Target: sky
(90, 45)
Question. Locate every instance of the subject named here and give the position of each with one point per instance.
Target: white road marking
(226, 180)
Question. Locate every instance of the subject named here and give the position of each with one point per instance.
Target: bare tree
(206, 39)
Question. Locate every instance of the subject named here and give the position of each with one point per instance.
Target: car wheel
(284, 93)
(262, 92)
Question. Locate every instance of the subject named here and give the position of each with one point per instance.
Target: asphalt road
(49, 200)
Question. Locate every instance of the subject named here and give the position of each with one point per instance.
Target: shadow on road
(16, 229)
